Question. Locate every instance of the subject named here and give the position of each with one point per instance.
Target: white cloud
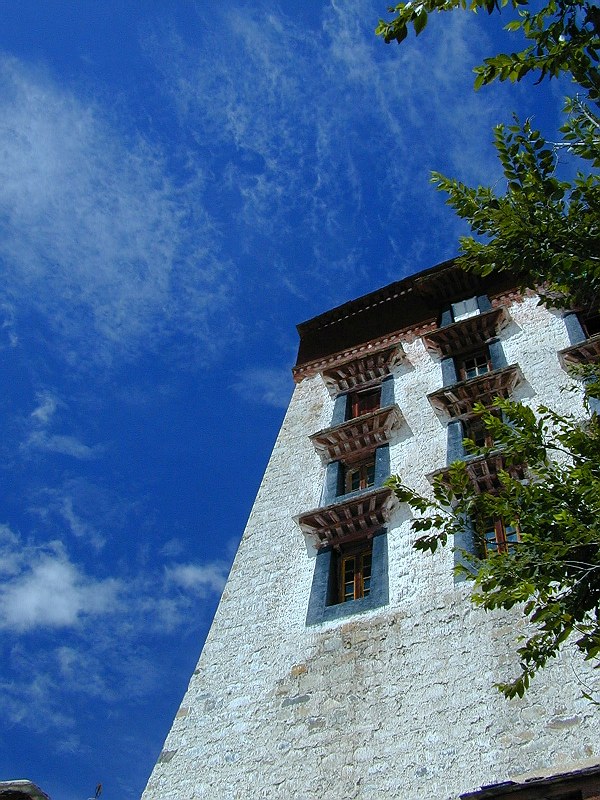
(271, 387)
(42, 588)
(46, 408)
(172, 547)
(65, 445)
(202, 579)
(9, 552)
(93, 234)
(7, 326)
(78, 526)
(51, 592)
(42, 440)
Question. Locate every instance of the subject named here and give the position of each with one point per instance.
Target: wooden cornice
(393, 311)
(459, 399)
(357, 437)
(363, 369)
(467, 334)
(448, 282)
(586, 352)
(483, 471)
(359, 517)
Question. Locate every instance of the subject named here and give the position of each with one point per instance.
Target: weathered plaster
(397, 702)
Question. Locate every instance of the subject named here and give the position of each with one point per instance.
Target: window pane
(364, 402)
(366, 574)
(500, 538)
(355, 575)
(475, 430)
(359, 476)
(473, 365)
(590, 324)
(348, 579)
(354, 482)
(491, 544)
(370, 474)
(511, 534)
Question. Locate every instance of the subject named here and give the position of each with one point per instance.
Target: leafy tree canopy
(554, 570)
(561, 36)
(543, 229)
(546, 230)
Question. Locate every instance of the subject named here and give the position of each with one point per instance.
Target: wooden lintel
(355, 518)
(357, 437)
(467, 334)
(483, 471)
(459, 399)
(586, 352)
(363, 369)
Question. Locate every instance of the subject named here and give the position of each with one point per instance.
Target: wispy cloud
(63, 444)
(48, 404)
(91, 511)
(202, 579)
(78, 526)
(46, 590)
(296, 113)
(8, 334)
(41, 439)
(273, 387)
(94, 235)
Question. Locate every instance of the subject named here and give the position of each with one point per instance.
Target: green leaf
(420, 21)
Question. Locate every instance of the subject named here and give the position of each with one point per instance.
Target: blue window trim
(333, 491)
(577, 335)
(574, 328)
(455, 449)
(322, 606)
(465, 544)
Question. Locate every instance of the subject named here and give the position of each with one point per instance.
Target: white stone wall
(393, 703)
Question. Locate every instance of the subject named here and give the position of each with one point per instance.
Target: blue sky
(180, 184)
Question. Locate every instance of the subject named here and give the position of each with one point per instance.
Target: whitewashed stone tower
(341, 663)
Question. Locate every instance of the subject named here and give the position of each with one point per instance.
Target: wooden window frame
(364, 470)
(474, 429)
(590, 324)
(324, 605)
(363, 402)
(504, 538)
(355, 572)
(479, 358)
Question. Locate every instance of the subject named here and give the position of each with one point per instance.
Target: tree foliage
(554, 570)
(561, 36)
(545, 229)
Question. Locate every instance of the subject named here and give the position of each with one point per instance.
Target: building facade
(342, 663)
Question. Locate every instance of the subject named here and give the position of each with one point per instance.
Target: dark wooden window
(590, 324)
(474, 429)
(359, 476)
(360, 403)
(498, 537)
(473, 364)
(355, 574)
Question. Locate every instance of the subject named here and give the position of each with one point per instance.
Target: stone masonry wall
(392, 703)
